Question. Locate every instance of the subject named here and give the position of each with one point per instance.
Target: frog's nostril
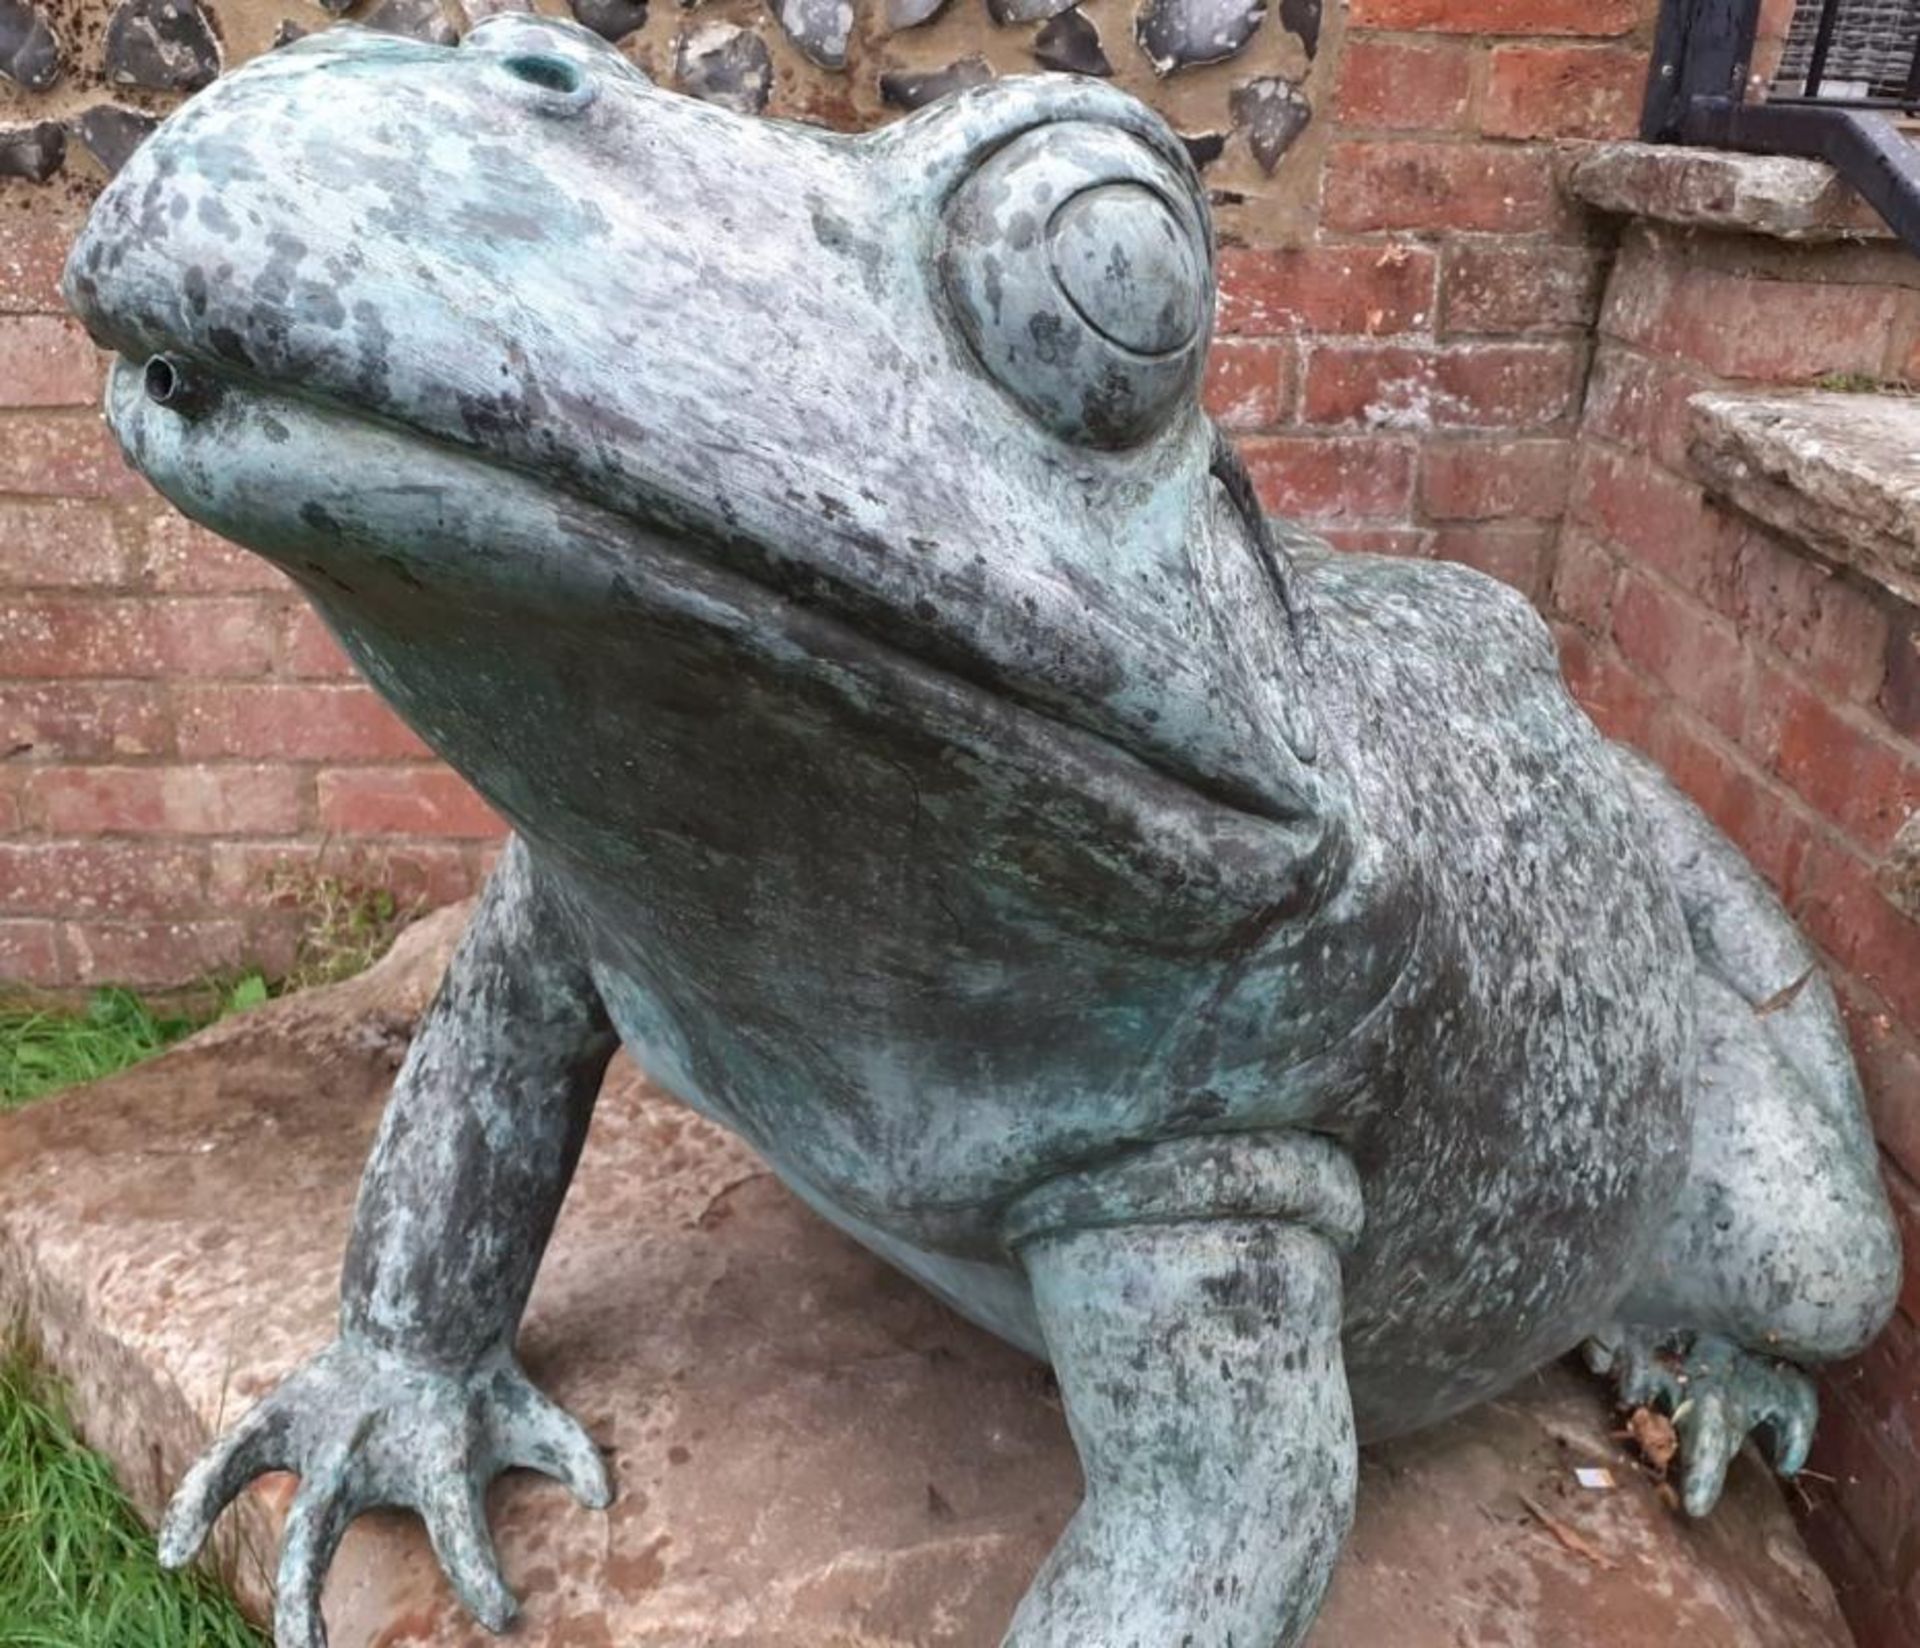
(550, 73)
(168, 384)
(162, 380)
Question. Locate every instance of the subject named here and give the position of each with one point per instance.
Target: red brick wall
(1411, 380)
(1785, 697)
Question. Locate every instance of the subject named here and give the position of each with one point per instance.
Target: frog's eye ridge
(1077, 264)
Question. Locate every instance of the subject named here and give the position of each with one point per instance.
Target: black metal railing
(1861, 53)
(1849, 67)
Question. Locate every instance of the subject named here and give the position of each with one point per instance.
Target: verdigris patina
(1236, 973)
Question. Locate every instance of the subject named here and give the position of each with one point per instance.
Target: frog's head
(507, 326)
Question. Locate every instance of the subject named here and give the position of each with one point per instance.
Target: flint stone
(1180, 34)
(478, 11)
(110, 133)
(906, 89)
(810, 1451)
(610, 19)
(33, 152)
(1302, 18)
(29, 53)
(1203, 148)
(1071, 44)
(820, 28)
(910, 14)
(1272, 112)
(416, 19)
(166, 45)
(720, 63)
(1026, 11)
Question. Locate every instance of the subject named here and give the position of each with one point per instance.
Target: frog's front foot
(1716, 1393)
(367, 1428)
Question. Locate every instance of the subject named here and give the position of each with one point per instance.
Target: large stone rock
(1779, 196)
(810, 1452)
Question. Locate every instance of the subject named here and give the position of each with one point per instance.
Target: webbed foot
(367, 1428)
(1716, 1393)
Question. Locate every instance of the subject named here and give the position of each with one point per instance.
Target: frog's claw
(367, 1428)
(1716, 1394)
(256, 1445)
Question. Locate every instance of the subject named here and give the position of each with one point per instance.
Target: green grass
(1861, 383)
(77, 1568)
(43, 1050)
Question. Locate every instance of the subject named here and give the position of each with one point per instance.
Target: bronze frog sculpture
(1236, 973)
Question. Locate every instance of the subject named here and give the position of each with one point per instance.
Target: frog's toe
(1646, 1372)
(328, 1500)
(1789, 1419)
(257, 1445)
(456, 1518)
(1710, 1435)
(1717, 1394)
(537, 1434)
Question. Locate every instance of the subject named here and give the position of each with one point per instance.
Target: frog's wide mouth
(388, 527)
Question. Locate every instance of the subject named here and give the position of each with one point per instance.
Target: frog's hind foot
(1717, 1394)
(1779, 1251)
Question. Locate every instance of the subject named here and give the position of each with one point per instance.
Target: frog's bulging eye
(1078, 266)
(549, 72)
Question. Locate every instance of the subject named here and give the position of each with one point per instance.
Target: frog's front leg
(1191, 1303)
(419, 1403)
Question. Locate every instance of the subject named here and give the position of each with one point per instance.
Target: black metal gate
(1851, 68)
(1863, 53)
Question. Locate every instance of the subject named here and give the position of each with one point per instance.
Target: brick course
(1396, 85)
(1550, 17)
(1565, 91)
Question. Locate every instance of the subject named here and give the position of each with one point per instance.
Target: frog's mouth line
(231, 453)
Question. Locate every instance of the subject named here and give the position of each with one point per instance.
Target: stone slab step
(809, 1451)
(1838, 472)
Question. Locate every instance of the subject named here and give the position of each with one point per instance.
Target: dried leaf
(1784, 998)
(1570, 1539)
(1653, 1434)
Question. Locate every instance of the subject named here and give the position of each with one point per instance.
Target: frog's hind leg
(1781, 1252)
(1190, 1301)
